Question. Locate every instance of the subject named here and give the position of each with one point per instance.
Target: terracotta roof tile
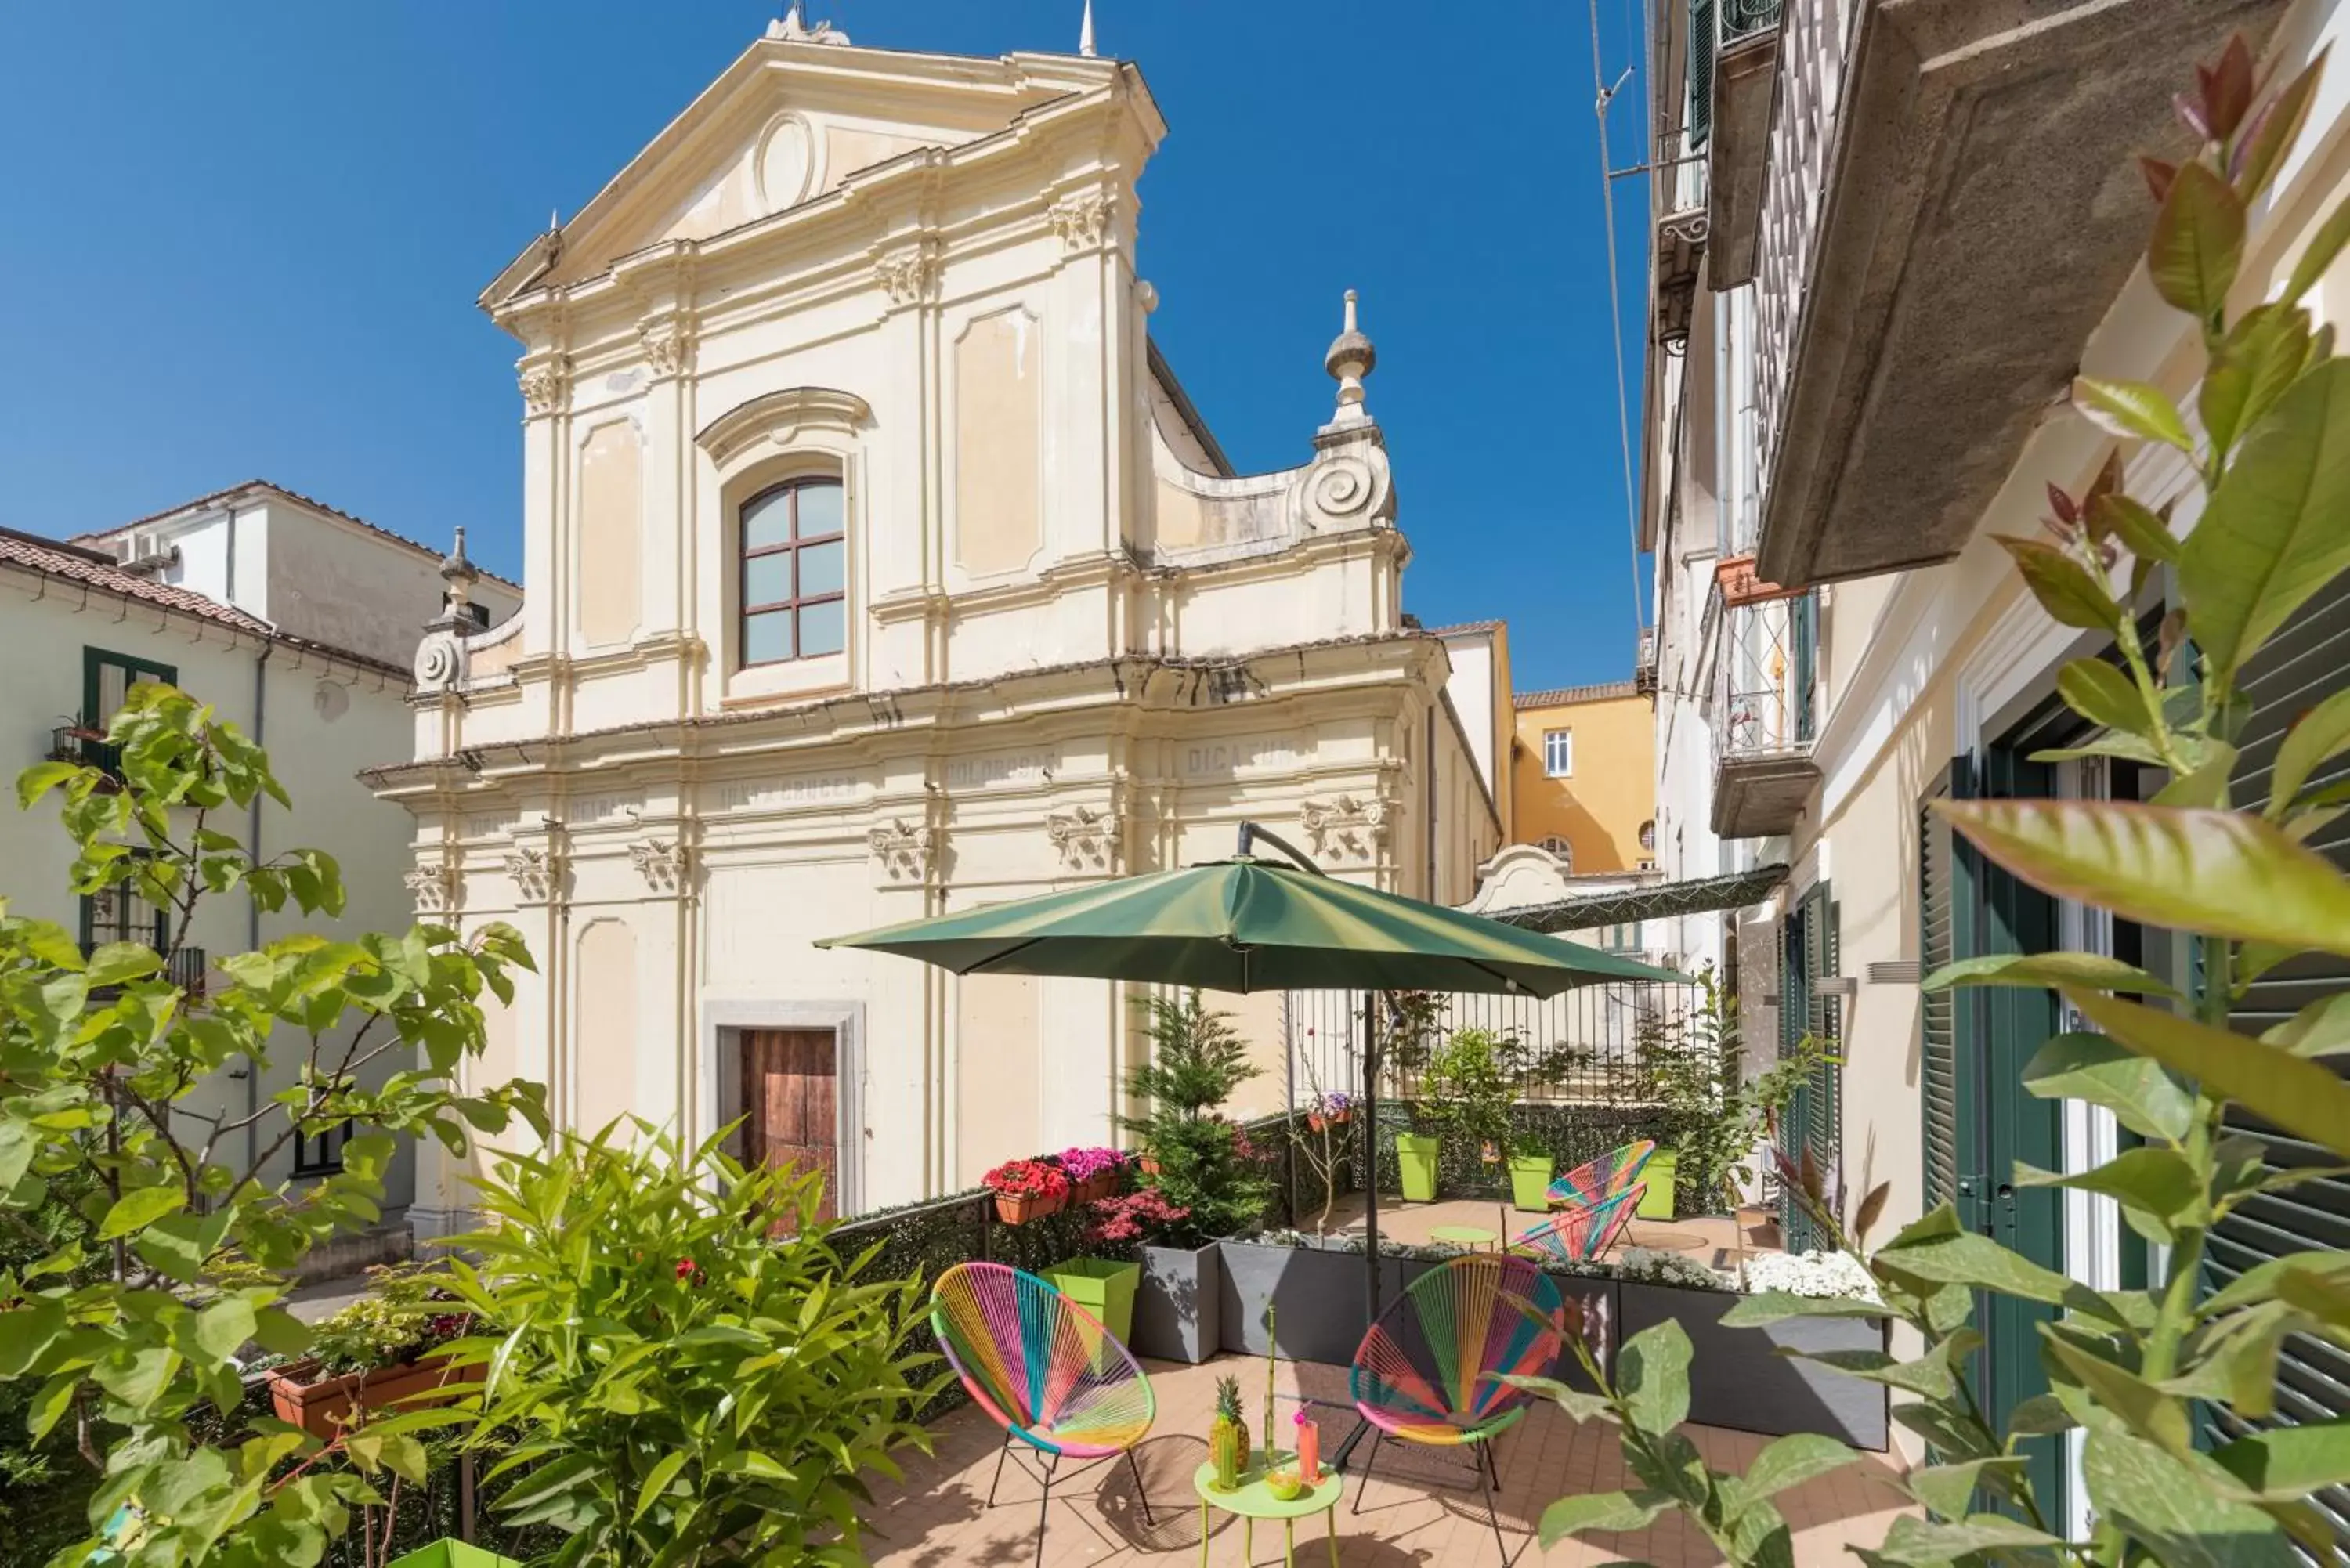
(1558, 696)
(98, 571)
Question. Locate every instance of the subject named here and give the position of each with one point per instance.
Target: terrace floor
(1719, 1242)
(938, 1519)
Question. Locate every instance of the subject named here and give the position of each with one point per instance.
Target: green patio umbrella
(1247, 924)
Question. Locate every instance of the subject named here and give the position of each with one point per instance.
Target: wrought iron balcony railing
(1766, 702)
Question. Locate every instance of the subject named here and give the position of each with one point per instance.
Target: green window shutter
(1937, 1081)
(1826, 1021)
(2306, 661)
(1700, 72)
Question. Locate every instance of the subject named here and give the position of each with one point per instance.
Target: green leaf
(2197, 244)
(2219, 872)
(1970, 1259)
(2148, 1410)
(2104, 696)
(1578, 1405)
(2262, 143)
(2292, 1092)
(138, 1209)
(1927, 1546)
(2142, 1095)
(2171, 1505)
(1792, 1461)
(2272, 536)
(2316, 735)
(40, 780)
(178, 1244)
(2043, 1414)
(2321, 1028)
(2047, 969)
(2316, 257)
(2291, 1461)
(2253, 366)
(657, 1483)
(1950, 1490)
(2132, 522)
(1607, 1512)
(2062, 585)
(1652, 1376)
(2157, 1181)
(2133, 410)
(18, 1144)
(223, 1328)
(752, 1463)
(1768, 1307)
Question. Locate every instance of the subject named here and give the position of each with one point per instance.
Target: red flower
(1027, 1179)
(686, 1268)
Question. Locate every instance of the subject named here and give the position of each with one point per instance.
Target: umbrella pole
(1370, 1166)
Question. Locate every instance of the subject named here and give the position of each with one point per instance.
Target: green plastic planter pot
(1416, 1160)
(1104, 1287)
(446, 1553)
(1657, 1203)
(1530, 1181)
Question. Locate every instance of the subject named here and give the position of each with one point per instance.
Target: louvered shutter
(2306, 661)
(1700, 72)
(1938, 1063)
(1826, 1021)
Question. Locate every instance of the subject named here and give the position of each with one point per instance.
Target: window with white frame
(1558, 753)
(1560, 849)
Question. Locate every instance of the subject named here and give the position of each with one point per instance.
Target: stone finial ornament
(1086, 33)
(793, 28)
(1350, 359)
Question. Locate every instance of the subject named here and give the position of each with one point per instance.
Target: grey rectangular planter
(1178, 1305)
(1736, 1379)
(1318, 1294)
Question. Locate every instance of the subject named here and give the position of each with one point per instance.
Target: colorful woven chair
(1602, 1178)
(1580, 1234)
(1045, 1370)
(1429, 1371)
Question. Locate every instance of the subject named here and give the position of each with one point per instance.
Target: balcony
(1676, 206)
(1738, 77)
(1644, 662)
(1765, 706)
(1951, 183)
(85, 746)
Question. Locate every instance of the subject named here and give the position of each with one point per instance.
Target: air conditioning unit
(145, 553)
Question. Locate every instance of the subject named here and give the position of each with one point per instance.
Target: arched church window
(1649, 835)
(1560, 850)
(794, 587)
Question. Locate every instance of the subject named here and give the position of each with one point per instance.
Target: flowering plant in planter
(1093, 1172)
(1027, 1190)
(1134, 1220)
(1333, 1109)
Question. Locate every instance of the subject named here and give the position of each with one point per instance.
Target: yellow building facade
(1583, 776)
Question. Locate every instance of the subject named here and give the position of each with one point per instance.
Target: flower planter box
(1104, 1287)
(1101, 1184)
(321, 1407)
(1656, 1202)
(1175, 1303)
(1416, 1159)
(1019, 1208)
(1530, 1178)
(1737, 1379)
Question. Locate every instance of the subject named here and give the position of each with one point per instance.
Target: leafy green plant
(127, 1324)
(1692, 1064)
(2128, 1367)
(407, 1312)
(1198, 1162)
(1468, 1087)
(669, 1381)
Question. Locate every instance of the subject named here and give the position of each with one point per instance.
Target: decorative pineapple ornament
(1228, 1437)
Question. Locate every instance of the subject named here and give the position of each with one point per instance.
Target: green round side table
(1251, 1502)
(1463, 1235)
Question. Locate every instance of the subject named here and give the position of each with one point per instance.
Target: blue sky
(244, 241)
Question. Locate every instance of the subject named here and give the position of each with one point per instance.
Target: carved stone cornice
(908, 275)
(669, 344)
(537, 874)
(432, 886)
(1089, 840)
(546, 384)
(1085, 222)
(905, 851)
(661, 862)
(1348, 828)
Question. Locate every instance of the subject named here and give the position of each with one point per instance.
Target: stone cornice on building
(863, 724)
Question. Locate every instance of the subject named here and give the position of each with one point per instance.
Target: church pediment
(784, 125)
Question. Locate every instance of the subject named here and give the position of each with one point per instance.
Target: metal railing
(1766, 684)
(1581, 1046)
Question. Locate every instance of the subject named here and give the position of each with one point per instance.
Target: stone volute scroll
(904, 851)
(441, 663)
(432, 886)
(536, 873)
(1349, 830)
(1086, 839)
(1348, 483)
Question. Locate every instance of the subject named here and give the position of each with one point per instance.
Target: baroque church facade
(876, 565)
